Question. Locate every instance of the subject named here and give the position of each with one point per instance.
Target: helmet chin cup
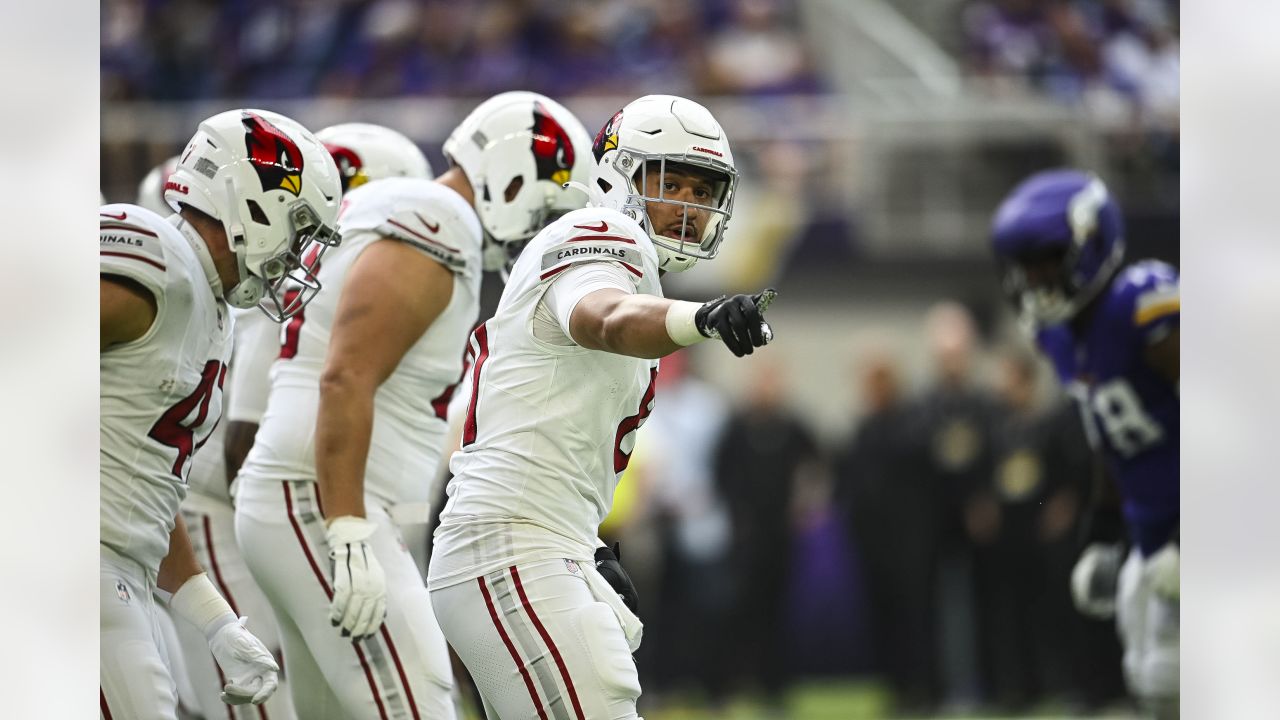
(246, 293)
(671, 261)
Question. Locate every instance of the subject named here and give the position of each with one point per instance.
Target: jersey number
(1127, 426)
(632, 423)
(292, 330)
(171, 430)
(441, 402)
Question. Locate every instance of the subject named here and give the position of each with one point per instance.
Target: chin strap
(202, 252)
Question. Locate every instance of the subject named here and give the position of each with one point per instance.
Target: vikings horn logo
(552, 149)
(350, 166)
(607, 138)
(274, 155)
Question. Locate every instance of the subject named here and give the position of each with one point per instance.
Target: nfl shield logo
(122, 592)
(571, 566)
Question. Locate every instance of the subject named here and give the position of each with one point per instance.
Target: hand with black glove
(607, 563)
(737, 320)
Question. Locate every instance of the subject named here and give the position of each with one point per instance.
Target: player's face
(678, 222)
(1043, 272)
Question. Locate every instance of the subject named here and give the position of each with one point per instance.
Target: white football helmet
(365, 152)
(276, 190)
(519, 149)
(665, 129)
(151, 189)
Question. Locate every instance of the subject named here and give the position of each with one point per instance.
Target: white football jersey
(409, 424)
(161, 395)
(549, 427)
(256, 341)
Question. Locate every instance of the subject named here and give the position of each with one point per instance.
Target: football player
(355, 423)
(540, 612)
(206, 510)
(1111, 331)
(253, 191)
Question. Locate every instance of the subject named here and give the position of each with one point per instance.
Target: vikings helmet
(1066, 222)
(365, 152)
(276, 191)
(663, 130)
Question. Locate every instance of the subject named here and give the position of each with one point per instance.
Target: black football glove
(618, 579)
(737, 320)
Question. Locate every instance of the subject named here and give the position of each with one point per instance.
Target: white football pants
(402, 671)
(171, 654)
(538, 644)
(211, 525)
(1148, 626)
(135, 683)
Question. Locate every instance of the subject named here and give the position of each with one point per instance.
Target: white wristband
(682, 328)
(199, 603)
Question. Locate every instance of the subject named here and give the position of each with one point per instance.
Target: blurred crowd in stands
(1075, 50)
(184, 49)
(1110, 54)
(930, 549)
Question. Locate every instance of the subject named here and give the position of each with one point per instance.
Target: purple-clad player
(1111, 331)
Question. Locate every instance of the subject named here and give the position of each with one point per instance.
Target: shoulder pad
(593, 235)
(130, 244)
(419, 212)
(1146, 293)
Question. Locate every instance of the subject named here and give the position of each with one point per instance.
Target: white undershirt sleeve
(257, 345)
(551, 317)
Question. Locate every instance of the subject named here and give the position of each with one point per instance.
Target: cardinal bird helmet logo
(607, 138)
(350, 166)
(274, 155)
(552, 148)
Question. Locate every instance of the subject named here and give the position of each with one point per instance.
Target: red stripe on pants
(546, 638)
(102, 701)
(306, 550)
(524, 672)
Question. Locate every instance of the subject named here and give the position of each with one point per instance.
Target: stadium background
(874, 139)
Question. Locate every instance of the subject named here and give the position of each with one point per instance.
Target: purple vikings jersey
(1130, 411)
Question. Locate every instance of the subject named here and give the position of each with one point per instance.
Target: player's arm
(624, 323)
(126, 310)
(180, 564)
(236, 445)
(1157, 310)
(251, 672)
(1096, 573)
(646, 326)
(392, 294)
